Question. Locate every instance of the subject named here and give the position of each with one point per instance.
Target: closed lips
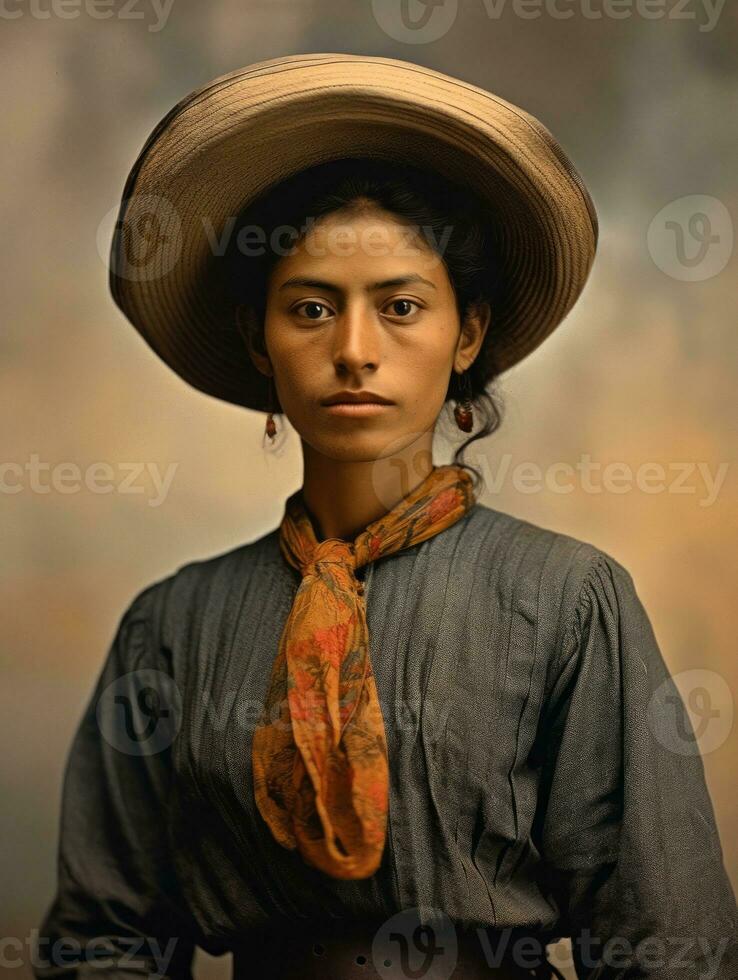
(356, 398)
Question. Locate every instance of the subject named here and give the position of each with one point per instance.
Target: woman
(402, 734)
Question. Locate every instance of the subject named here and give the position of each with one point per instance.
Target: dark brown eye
(401, 307)
(312, 309)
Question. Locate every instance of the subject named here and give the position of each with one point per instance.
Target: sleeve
(628, 835)
(117, 910)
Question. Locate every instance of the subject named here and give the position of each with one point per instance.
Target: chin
(350, 449)
(353, 445)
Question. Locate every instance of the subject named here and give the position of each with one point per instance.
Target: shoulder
(530, 549)
(546, 575)
(554, 588)
(174, 599)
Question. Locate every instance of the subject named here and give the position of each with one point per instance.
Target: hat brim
(229, 141)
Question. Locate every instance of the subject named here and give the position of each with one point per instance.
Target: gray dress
(536, 743)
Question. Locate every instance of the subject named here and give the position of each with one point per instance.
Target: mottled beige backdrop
(642, 373)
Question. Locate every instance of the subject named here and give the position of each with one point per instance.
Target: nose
(355, 340)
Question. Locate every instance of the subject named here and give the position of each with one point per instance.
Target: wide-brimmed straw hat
(229, 141)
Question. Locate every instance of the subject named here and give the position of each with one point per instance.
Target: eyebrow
(331, 287)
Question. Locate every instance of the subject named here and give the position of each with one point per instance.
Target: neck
(342, 498)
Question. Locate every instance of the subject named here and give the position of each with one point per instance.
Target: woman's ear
(248, 326)
(471, 337)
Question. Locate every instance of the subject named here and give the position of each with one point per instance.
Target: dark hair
(438, 208)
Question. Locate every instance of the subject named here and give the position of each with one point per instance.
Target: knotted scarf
(319, 752)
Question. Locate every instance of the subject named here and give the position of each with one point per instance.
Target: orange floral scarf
(320, 767)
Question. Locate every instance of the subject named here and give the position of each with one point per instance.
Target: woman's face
(363, 305)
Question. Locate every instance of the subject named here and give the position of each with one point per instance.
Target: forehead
(369, 246)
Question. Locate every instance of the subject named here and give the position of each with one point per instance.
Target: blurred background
(641, 377)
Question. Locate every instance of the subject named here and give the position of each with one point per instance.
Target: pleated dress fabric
(517, 672)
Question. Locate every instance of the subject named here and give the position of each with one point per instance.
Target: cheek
(297, 366)
(428, 364)
(287, 354)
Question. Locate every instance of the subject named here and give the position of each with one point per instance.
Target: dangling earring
(270, 429)
(463, 412)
